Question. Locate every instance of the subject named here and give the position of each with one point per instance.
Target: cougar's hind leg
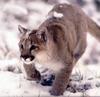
(81, 40)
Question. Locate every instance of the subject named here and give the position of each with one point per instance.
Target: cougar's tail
(93, 28)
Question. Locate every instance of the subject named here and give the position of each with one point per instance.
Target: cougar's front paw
(36, 75)
(56, 92)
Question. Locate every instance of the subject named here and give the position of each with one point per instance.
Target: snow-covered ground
(85, 79)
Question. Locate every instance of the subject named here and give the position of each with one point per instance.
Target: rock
(97, 3)
(75, 87)
(47, 80)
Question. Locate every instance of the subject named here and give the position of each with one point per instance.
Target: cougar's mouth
(28, 60)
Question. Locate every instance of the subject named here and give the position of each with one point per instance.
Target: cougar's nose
(27, 56)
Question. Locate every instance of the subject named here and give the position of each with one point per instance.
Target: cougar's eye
(33, 47)
(21, 46)
(43, 36)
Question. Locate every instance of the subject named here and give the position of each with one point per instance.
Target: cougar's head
(32, 43)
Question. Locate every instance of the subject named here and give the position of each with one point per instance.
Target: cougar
(58, 43)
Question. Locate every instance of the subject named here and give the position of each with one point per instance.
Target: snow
(58, 15)
(93, 92)
(18, 86)
(14, 84)
(54, 14)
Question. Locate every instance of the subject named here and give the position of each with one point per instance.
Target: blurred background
(30, 14)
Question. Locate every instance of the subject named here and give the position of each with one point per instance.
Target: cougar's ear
(22, 30)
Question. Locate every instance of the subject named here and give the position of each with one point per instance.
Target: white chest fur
(48, 62)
